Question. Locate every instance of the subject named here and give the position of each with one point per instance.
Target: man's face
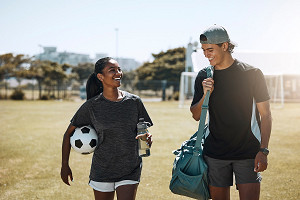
(214, 54)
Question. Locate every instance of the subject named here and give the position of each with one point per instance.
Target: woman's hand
(145, 137)
(65, 173)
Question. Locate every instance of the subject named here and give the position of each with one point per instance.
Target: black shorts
(220, 172)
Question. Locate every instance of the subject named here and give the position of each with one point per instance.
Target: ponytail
(93, 86)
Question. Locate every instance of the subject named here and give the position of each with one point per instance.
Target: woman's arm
(66, 147)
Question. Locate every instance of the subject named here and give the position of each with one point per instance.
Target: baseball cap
(214, 35)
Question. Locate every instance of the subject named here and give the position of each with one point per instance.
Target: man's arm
(208, 84)
(261, 161)
(266, 122)
(196, 109)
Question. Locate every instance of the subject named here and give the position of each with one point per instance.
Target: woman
(114, 114)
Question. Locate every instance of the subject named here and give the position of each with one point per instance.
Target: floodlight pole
(116, 29)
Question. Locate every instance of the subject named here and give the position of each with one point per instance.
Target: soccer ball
(84, 140)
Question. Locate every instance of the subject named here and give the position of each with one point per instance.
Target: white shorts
(110, 186)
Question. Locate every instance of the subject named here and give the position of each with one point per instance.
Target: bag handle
(204, 108)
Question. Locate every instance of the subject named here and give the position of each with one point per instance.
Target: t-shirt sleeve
(198, 89)
(261, 93)
(143, 112)
(82, 116)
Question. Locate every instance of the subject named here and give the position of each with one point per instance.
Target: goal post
(276, 89)
(186, 88)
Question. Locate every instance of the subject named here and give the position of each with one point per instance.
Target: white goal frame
(184, 81)
(276, 89)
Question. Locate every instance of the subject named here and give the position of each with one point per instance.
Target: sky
(137, 28)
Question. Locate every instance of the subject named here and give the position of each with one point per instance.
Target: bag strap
(204, 108)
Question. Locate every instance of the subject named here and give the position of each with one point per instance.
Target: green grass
(30, 152)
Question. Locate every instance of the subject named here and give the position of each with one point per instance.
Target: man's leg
(220, 175)
(249, 191)
(219, 193)
(248, 181)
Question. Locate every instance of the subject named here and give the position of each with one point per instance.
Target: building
(98, 56)
(50, 53)
(128, 64)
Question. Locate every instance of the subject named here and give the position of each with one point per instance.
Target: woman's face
(111, 74)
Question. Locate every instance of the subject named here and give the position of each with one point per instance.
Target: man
(239, 118)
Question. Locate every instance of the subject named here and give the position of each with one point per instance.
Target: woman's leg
(104, 195)
(127, 192)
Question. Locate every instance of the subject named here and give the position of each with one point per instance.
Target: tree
(83, 70)
(50, 74)
(13, 66)
(19, 69)
(46, 73)
(69, 77)
(166, 66)
(58, 75)
(37, 71)
(7, 68)
(54, 76)
(128, 80)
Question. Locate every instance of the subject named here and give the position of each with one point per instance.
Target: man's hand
(261, 162)
(208, 84)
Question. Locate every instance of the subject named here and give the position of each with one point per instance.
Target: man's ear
(100, 76)
(225, 46)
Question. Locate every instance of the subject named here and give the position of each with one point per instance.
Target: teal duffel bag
(189, 174)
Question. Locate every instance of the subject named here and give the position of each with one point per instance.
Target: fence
(286, 87)
(147, 89)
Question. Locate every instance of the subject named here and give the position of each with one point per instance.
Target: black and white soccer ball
(84, 140)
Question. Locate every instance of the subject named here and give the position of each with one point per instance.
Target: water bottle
(144, 148)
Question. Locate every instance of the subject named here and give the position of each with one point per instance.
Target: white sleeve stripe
(254, 124)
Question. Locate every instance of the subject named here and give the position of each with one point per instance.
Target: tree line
(53, 78)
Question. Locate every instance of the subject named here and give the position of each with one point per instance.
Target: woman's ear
(100, 76)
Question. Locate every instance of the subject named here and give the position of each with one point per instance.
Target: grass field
(30, 152)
